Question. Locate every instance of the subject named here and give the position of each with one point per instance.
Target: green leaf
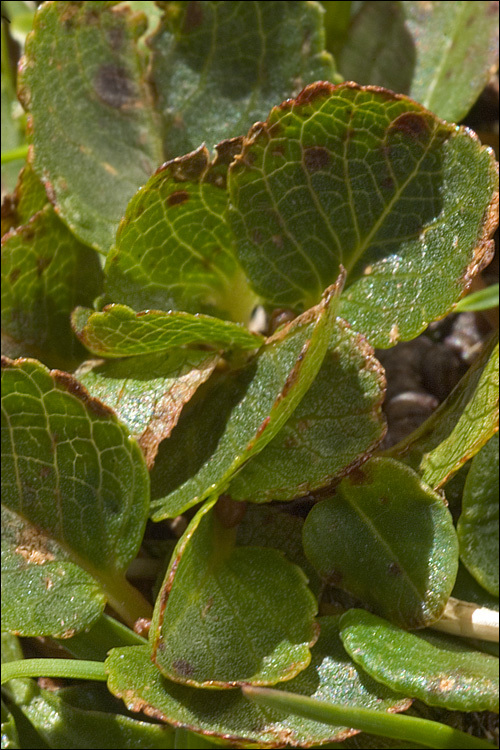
(338, 421)
(330, 677)
(93, 127)
(441, 54)
(370, 180)
(118, 331)
(454, 675)
(75, 487)
(268, 526)
(28, 198)
(64, 725)
(241, 413)
(484, 299)
(461, 425)
(231, 615)
(388, 539)
(477, 527)
(174, 247)
(198, 67)
(148, 393)
(46, 271)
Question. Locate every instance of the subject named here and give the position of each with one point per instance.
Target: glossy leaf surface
(46, 271)
(148, 393)
(198, 43)
(438, 669)
(461, 425)
(76, 489)
(118, 331)
(389, 540)
(241, 413)
(439, 53)
(94, 133)
(231, 615)
(174, 248)
(338, 421)
(331, 676)
(477, 527)
(366, 178)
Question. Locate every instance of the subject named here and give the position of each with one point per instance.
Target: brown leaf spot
(115, 37)
(394, 569)
(45, 471)
(14, 275)
(193, 17)
(183, 667)
(32, 546)
(411, 124)
(178, 198)
(315, 158)
(113, 86)
(257, 237)
(42, 264)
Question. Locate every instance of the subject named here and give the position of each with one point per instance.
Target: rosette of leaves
(172, 186)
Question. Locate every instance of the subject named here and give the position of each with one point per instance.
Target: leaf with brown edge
(369, 179)
(77, 486)
(148, 393)
(118, 331)
(174, 246)
(228, 615)
(240, 413)
(336, 426)
(226, 714)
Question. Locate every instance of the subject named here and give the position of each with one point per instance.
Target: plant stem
(468, 620)
(408, 728)
(14, 154)
(125, 599)
(68, 668)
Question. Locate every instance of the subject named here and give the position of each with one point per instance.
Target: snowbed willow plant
(358, 215)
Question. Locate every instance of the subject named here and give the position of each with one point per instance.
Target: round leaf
(371, 180)
(231, 615)
(389, 540)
